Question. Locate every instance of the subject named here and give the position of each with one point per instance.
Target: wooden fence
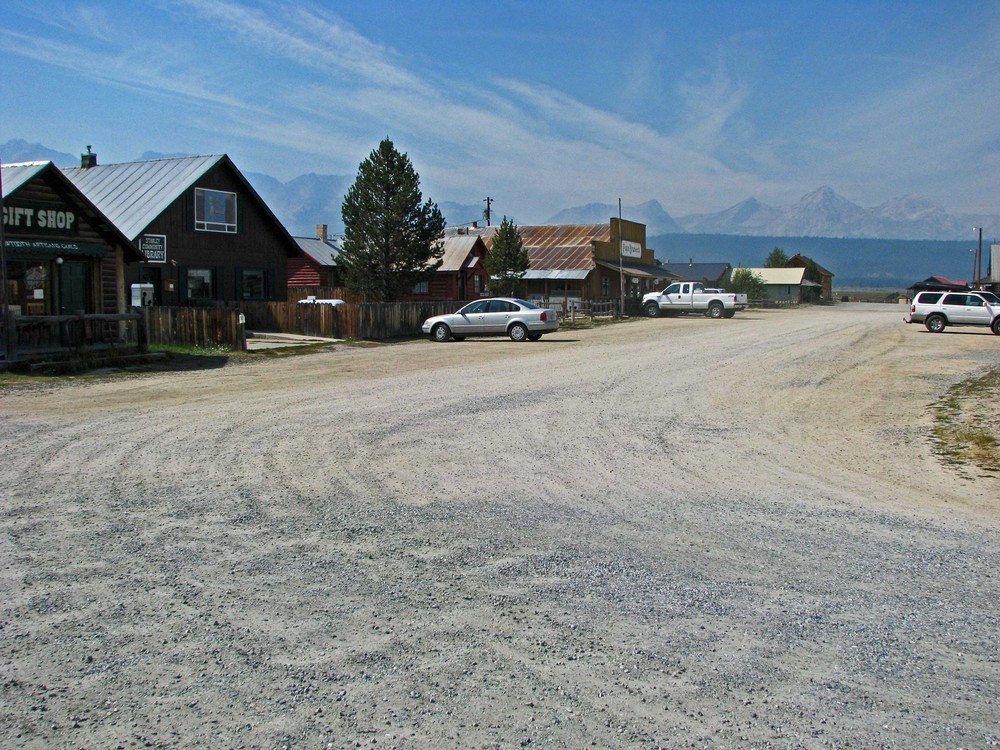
(29, 337)
(204, 327)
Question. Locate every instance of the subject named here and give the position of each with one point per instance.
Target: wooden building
(63, 254)
(461, 276)
(207, 236)
(317, 265)
(823, 291)
(577, 262)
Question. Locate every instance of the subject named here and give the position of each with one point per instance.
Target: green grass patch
(966, 429)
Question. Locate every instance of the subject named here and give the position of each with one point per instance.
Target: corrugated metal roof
(557, 275)
(697, 271)
(15, 175)
(324, 252)
(559, 247)
(133, 194)
(457, 249)
(639, 270)
(786, 276)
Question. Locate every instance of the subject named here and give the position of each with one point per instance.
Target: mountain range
(311, 199)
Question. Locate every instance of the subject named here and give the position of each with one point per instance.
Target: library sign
(36, 219)
(154, 247)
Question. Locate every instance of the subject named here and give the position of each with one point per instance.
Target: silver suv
(938, 310)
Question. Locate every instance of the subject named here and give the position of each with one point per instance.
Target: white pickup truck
(687, 296)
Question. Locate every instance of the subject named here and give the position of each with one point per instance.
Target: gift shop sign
(28, 219)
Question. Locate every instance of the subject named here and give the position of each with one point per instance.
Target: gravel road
(664, 533)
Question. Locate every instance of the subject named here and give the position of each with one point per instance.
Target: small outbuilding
(63, 254)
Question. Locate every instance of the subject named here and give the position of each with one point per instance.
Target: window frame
(203, 224)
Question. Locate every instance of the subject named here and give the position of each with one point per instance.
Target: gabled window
(214, 211)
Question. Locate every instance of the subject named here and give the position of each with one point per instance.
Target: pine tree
(776, 259)
(391, 238)
(507, 261)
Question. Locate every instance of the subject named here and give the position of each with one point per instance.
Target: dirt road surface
(664, 533)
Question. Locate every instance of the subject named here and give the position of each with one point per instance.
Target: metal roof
(457, 251)
(788, 276)
(559, 247)
(557, 275)
(133, 194)
(15, 175)
(639, 270)
(697, 271)
(324, 252)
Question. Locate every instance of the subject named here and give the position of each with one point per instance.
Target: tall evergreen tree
(507, 261)
(391, 238)
(776, 259)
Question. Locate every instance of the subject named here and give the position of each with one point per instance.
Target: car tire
(518, 332)
(716, 310)
(935, 323)
(996, 326)
(652, 310)
(534, 336)
(440, 333)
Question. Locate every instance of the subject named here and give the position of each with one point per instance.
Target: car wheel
(935, 323)
(517, 332)
(996, 326)
(716, 310)
(440, 333)
(534, 336)
(652, 310)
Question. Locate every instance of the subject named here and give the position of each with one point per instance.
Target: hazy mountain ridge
(311, 199)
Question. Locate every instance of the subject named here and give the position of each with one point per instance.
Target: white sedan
(495, 316)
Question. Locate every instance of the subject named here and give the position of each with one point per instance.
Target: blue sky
(541, 105)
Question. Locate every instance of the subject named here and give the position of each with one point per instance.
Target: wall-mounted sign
(154, 247)
(39, 219)
(631, 249)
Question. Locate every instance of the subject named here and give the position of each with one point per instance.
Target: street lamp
(973, 251)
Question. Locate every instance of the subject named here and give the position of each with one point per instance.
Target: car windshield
(990, 297)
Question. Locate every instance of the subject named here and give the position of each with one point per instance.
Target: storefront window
(254, 283)
(200, 283)
(28, 286)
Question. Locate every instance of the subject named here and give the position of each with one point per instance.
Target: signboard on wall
(631, 249)
(154, 247)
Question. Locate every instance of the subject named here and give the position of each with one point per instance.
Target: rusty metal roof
(457, 251)
(559, 247)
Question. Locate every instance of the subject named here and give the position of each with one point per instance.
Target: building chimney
(88, 159)
(321, 232)
(475, 225)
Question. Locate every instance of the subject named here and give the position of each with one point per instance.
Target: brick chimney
(322, 232)
(88, 159)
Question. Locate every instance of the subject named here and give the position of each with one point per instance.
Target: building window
(422, 287)
(200, 283)
(605, 286)
(214, 211)
(477, 284)
(253, 283)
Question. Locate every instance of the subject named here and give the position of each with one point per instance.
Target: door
(469, 320)
(72, 286)
(497, 316)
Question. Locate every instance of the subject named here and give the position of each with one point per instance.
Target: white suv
(937, 310)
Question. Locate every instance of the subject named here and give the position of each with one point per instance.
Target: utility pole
(979, 256)
(621, 273)
(487, 200)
